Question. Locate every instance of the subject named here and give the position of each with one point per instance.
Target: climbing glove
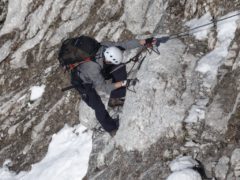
(149, 42)
(129, 82)
(163, 39)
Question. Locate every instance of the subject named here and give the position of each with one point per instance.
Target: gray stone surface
(177, 110)
(222, 167)
(235, 162)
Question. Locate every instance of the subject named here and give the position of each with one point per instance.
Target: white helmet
(113, 55)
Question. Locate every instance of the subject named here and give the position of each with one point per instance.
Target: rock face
(3, 11)
(186, 102)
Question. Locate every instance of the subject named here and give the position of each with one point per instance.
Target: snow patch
(67, 157)
(195, 114)
(186, 174)
(183, 163)
(208, 67)
(200, 33)
(225, 34)
(37, 92)
(5, 174)
(181, 168)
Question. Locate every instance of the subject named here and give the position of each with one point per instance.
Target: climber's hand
(129, 82)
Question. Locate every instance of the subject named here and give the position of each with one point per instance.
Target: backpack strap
(73, 66)
(67, 88)
(117, 68)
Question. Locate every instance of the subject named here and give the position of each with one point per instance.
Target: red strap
(149, 45)
(87, 59)
(72, 66)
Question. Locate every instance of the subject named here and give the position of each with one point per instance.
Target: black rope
(213, 21)
(138, 58)
(135, 59)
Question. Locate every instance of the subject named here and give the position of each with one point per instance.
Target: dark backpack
(78, 49)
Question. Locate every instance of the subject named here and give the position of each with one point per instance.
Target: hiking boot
(114, 102)
(113, 133)
(98, 130)
(116, 120)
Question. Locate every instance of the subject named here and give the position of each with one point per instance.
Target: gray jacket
(91, 71)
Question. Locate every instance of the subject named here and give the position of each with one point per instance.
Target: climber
(91, 76)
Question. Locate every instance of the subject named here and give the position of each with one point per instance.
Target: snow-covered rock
(36, 92)
(183, 163)
(187, 100)
(185, 174)
(182, 169)
(67, 157)
(235, 162)
(222, 167)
